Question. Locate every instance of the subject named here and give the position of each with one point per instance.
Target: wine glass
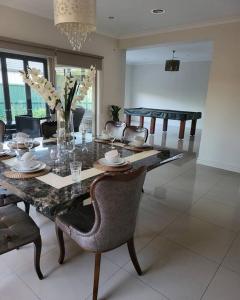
(29, 142)
(112, 139)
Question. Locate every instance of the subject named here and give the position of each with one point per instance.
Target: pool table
(166, 115)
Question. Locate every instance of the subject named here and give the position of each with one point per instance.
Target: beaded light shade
(76, 19)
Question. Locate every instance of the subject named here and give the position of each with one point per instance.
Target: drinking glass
(54, 157)
(76, 167)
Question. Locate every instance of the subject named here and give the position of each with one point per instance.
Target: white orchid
(71, 91)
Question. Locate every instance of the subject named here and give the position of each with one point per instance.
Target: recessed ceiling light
(158, 11)
(111, 17)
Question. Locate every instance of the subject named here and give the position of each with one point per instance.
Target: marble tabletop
(51, 201)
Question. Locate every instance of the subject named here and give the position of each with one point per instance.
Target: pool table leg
(193, 127)
(141, 123)
(182, 129)
(128, 120)
(152, 125)
(165, 124)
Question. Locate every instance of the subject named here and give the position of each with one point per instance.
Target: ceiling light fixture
(173, 64)
(158, 11)
(76, 19)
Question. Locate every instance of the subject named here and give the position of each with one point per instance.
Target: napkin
(112, 156)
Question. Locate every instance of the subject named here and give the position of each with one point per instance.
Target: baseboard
(219, 165)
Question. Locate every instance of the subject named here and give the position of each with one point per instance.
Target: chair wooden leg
(133, 256)
(60, 239)
(27, 207)
(37, 254)
(96, 275)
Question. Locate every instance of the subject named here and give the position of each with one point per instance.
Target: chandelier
(76, 19)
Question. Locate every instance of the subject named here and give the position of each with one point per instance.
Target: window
(17, 98)
(88, 102)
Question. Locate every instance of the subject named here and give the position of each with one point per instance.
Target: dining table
(56, 193)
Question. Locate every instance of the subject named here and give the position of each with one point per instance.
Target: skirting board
(219, 165)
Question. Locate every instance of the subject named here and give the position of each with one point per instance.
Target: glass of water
(76, 168)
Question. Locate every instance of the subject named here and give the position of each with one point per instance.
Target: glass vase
(65, 131)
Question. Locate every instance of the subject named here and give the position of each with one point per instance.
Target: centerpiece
(63, 102)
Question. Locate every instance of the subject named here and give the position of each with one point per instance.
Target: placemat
(22, 145)
(138, 149)
(98, 166)
(17, 175)
(4, 157)
(102, 141)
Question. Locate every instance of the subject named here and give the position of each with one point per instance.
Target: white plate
(40, 167)
(104, 162)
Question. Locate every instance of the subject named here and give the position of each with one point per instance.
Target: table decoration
(63, 102)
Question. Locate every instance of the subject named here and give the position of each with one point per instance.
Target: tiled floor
(187, 241)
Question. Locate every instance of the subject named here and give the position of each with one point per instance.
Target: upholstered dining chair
(18, 229)
(115, 128)
(2, 131)
(7, 198)
(108, 222)
(48, 128)
(130, 132)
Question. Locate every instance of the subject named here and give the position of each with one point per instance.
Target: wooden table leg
(128, 120)
(165, 124)
(141, 123)
(152, 126)
(193, 127)
(182, 129)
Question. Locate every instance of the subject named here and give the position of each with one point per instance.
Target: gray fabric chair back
(48, 129)
(28, 125)
(78, 114)
(130, 132)
(116, 201)
(2, 131)
(115, 128)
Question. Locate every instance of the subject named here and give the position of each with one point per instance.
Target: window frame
(6, 92)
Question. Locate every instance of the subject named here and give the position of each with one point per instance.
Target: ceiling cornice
(182, 27)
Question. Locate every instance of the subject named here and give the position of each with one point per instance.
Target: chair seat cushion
(16, 228)
(81, 219)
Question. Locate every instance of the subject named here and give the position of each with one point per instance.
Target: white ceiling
(133, 17)
(194, 52)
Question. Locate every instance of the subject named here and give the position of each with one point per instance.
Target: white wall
(150, 86)
(20, 25)
(220, 143)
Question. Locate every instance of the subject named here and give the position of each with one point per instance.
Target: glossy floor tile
(204, 238)
(174, 271)
(187, 241)
(225, 286)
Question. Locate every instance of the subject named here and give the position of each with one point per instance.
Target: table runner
(59, 182)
